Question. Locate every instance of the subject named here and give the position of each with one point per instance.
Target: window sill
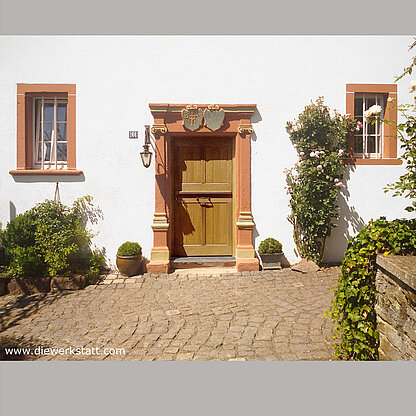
(50, 172)
(372, 162)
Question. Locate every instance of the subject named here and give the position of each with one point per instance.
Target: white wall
(117, 77)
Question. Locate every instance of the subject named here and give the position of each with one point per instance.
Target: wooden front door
(203, 185)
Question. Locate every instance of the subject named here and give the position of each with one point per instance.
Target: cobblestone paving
(273, 315)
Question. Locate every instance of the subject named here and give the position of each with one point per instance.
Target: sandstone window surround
(375, 144)
(46, 129)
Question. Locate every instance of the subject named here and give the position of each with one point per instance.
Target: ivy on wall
(353, 307)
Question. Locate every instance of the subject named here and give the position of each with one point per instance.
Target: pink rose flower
(313, 144)
(302, 153)
(340, 152)
(339, 185)
(319, 167)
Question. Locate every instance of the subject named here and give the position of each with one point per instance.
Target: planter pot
(271, 261)
(129, 265)
(29, 286)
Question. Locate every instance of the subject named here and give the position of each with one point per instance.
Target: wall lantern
(146, 155)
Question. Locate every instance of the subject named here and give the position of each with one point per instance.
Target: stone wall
(396, 307)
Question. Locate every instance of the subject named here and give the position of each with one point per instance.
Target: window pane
(358, 144)
(61, 113)
(370, 102)
(371, 144)
(47, 151)
(358, 107)
(48, 112)
(62, 152)
(39, 152)
(371, 128)
(47, 131)
(62, 132)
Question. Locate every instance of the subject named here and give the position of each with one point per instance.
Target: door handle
(203, 199)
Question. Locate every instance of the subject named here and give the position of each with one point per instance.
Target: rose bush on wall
(314, 181)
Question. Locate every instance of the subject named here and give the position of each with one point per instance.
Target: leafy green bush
(3, 257)
(95, 262)
(270, 246)
(129, 249)
(46, 240)
(355, 297)
(313, 183)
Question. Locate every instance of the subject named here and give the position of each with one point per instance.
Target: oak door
(203, 179)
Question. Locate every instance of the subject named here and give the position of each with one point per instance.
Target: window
(50, 126)
(46, 142)
(367, 140)
(373, 143)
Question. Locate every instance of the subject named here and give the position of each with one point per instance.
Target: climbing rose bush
(313, 183)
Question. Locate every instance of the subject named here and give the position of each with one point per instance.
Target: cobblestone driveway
(181, 316)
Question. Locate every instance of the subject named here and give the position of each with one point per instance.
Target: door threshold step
(198, 262)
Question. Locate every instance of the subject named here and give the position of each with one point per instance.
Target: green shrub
(95, 262)
(353, 308)
(270, 246)
(46, 240)
(3, 257)
(129, 249)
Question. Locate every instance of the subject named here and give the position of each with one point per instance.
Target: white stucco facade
(117, 77)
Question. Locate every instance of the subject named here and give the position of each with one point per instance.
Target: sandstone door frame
(168, 124)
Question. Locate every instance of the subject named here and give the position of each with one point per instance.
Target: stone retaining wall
(396, 307)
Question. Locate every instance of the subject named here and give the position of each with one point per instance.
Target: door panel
(203, 196)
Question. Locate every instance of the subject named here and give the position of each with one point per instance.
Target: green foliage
(3, 258)
(353, 306)
(46, 240)
(96, 262)
(270, 246)
(408, 70)
(406, 184)
(314, 181)
(129, 249)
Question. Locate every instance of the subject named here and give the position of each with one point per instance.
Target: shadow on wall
(348, 225)
(12, 209)
(48, 178)
(255, 118)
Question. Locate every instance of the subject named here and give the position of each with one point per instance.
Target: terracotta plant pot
(129, 265)
(271, 261)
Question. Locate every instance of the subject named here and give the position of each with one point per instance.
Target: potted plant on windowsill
(270, 251)
(129, 258)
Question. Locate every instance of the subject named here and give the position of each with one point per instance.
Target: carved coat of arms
(214, 117)
(192, 117)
